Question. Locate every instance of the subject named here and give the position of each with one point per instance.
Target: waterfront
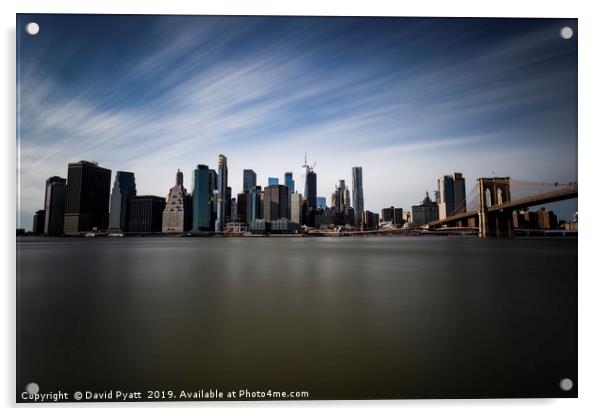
(337, 317)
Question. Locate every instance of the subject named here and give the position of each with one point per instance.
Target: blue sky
(408, 99)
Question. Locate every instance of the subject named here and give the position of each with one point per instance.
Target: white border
(590, 134)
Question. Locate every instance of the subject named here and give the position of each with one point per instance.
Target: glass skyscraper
(249, 180)
(54, 205)
(358, 194)
(272, 181)
(124, 187)
(201, 199)
(289, 182)
(222, 185)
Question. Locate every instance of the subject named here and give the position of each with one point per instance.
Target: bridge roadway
(516, 204)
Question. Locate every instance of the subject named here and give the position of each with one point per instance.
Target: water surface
(340, 318)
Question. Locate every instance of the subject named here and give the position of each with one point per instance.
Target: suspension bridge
(490, 204)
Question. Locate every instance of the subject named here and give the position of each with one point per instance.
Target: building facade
(296, 204)
(124, 187)
(275, 202)
(178, 208)
(87, 198)
(425, 212)
(38, 222)
(145, 214)
(289, 182)
(451, 195)
(201, 199)
(54, 205)
(249, 180)
(222, 198)
(358, 193)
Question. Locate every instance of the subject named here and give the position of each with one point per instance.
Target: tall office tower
(254, 205)
(145, 214)
(228, 207)
(276, 202)
(87, 199)
(451, 195)
(249, 180)
(310, 197)
(222, 185)
(233, 210)
(296, 205)
(273, 181)
(38, 222)
(321, 202)
(201, 199)
(242, 207)
(358, 194)
(289, 182)
(123, 188)
(459, 193)
(213, 191)
(177, 212)
(54, 205)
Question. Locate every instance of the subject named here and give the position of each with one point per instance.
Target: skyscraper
(123, 188)
(296, 205)
(54, 205)
(451, 195)
(321, 202)
(38, 222)
(249, 180)
(275, 202)
(340, 197)
(87, 199)
(222, 199)
(358, 194)
(145, 214)
(177, 212)
(289, 182)
(201, 199)
(273, 181)
(310, 193)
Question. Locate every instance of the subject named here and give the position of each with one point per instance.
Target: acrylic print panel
(296, 208)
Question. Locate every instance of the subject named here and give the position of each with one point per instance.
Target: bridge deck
(521, 203)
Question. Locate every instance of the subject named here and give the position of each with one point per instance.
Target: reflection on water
(338, 317)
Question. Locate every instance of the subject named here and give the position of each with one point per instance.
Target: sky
(408, 99)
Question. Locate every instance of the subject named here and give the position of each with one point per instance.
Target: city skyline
(412, 98)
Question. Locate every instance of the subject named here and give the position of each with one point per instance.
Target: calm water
(337, 317)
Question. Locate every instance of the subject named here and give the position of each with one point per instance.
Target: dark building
(54, 205)
(87, 200)
(242, 207)
(228, 205)
(202, 193)
(124, 187)
(309, 213)
(249, 180)
(275, 202)
(289, 182)
(145, 214)
(370, 220)
(392, 215)
(427, 211)
(38, 222)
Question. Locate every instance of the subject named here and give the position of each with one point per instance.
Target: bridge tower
(494, 191)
